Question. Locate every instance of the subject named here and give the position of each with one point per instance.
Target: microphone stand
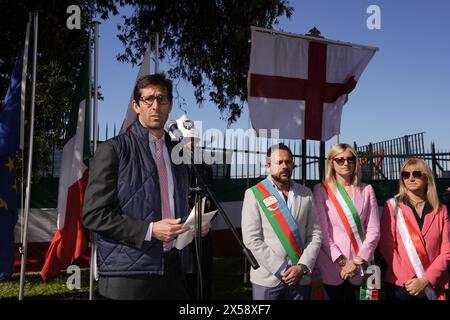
(199, 192)
(202, 185)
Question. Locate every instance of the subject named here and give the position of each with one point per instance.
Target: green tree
(205, 41)
(59, 53)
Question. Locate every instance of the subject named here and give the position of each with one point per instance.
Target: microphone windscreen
(170, 123)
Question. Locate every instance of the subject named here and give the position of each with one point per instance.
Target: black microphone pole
(198, 241)
(201, 182)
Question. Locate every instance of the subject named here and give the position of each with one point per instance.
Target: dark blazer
(122, 199)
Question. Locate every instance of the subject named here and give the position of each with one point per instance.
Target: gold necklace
(417, 204)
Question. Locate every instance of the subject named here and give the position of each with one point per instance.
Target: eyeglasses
(416, 174)
(287, 162)
(341, 161)
(162, 100)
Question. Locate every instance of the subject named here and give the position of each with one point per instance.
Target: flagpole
(92, 266)
(90, 86)
(247, 185)
(91, 234)
(24, 82)
(30, 161)
(156, 52)
(22, 116)
(95, 117)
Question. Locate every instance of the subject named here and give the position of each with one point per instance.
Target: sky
(405, 89)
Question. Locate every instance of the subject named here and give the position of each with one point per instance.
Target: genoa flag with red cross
(299, 85)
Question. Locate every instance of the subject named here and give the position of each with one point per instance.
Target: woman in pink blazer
(415, 237)
(348, 215)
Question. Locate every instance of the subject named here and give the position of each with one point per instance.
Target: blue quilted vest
(138, 196)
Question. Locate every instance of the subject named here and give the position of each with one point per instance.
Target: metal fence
(247, 158)
(383, 160)
(244, 156)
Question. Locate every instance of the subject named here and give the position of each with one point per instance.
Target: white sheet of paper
(185, 238)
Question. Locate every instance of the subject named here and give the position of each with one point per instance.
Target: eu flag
(9, 144)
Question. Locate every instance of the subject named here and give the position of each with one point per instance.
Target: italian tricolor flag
(71, 238)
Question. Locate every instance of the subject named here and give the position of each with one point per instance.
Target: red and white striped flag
(131, 116)
(299, 86)
(71, 238)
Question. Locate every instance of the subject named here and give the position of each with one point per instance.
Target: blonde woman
(348, 215)
(415, 237)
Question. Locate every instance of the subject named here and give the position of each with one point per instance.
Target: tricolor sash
(280, 218)
(285, 227)
(348, 214)
(371, 283)
(414, 246)
(352, 224)
(318, 291)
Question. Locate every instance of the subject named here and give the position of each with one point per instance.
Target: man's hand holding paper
(185, 238)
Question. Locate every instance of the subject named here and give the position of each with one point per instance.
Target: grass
(227, 284)
(228, 280)
(36, 289)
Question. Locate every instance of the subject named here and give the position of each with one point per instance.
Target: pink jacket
(435, 236)
(335, 240)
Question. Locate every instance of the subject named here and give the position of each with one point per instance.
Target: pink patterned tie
(163, 185)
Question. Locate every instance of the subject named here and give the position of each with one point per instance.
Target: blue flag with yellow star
(9, 144)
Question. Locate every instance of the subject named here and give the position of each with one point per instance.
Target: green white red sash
(352, 225)
(413, 244)
(371, 281)
(285, 227)
(348, 214)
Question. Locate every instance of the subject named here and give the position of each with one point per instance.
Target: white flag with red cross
(299, 85)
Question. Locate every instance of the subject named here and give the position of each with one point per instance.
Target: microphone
(173, 128)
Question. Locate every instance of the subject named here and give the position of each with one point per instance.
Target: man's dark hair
(158, 79)
(278, 146)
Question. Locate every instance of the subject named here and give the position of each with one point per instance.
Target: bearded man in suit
(279, 226)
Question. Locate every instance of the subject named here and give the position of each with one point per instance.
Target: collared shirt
(151, 140)
(290, 199)
(427, 208)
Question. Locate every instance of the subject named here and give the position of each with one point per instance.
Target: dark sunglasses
(341, 161)
(416, 174)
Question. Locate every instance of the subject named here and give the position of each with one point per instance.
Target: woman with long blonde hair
(415, 237)
(348, 215)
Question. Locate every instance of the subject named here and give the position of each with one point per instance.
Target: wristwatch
(305, 269)
(341, 262)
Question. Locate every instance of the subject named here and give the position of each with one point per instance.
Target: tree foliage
(206, 41)
(59, 53)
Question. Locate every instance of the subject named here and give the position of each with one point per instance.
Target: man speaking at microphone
(134, 200)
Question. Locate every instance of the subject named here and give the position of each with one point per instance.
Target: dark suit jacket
(121, 200)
